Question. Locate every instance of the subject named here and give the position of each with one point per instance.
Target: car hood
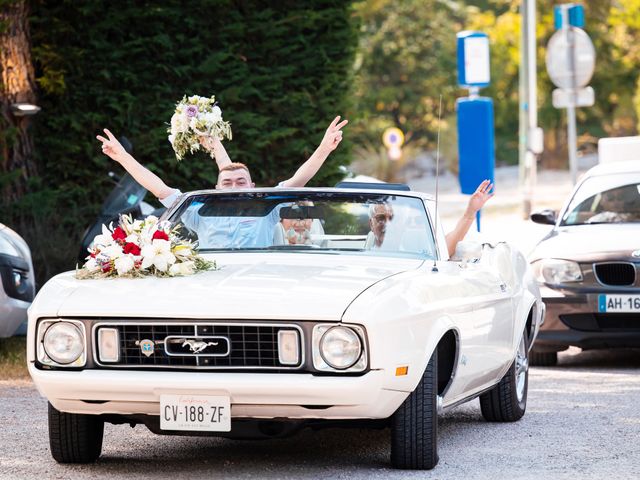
(292, 286)
(587, 242)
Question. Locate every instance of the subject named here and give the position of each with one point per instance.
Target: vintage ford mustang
(328, 306)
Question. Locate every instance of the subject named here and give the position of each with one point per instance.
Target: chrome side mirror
(467, 252)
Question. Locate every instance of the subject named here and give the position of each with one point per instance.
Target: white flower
(132, 238)
(104, 239)
(157, 254)
(216, 114)
(179, 123)
(112, 251)
(92, 265)
(171, 139)
(182, 268)
(124, 264)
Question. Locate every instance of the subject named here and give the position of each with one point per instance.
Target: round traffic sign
(559, 61)
(393, 137)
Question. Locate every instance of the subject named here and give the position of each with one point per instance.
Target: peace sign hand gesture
(112, 148)
(333, 135)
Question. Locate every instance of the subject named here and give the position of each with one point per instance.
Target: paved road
(582, 421)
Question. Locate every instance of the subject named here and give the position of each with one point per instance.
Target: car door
(484, 331)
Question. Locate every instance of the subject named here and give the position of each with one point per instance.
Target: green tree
(406, 60)
(280, 70)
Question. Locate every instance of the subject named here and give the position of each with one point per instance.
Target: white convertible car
(330, 306)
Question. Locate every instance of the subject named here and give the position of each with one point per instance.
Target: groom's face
(231, 179)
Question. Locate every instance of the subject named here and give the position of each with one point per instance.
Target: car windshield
(605, 199)
(354, 223)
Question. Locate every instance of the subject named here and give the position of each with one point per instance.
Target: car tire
(75, 438)
(507, 401)
(414, 426)
(543, 359)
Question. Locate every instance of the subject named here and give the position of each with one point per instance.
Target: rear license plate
(195, 412)
(618, 303)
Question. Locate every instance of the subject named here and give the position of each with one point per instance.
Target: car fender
(402, 329)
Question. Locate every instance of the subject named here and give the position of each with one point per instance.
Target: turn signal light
(109, 345)
(402, 371)
(288, 347)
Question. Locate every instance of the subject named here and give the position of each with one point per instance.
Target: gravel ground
(582, 421)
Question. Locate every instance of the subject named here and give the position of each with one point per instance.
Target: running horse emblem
(198, 346)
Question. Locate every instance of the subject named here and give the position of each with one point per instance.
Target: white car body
(401, 308)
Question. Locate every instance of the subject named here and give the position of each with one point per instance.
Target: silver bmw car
(17, 281)
(588, 266)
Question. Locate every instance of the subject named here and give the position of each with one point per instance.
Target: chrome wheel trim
(522, 367)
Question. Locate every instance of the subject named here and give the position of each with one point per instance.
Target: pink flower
(192, 111)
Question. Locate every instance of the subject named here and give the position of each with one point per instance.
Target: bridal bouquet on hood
(195, 118)
(137, 248)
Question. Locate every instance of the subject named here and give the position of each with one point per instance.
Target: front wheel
(507, 401)
(414, 426)
(75, 438)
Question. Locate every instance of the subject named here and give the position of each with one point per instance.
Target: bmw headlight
(555, 271)
(61, 343)
(338, 347)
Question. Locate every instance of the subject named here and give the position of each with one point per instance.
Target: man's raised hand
(333, 135)
(111, 147)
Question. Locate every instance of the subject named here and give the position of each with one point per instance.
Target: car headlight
(62, 343)
(340, 347)
(555, 271)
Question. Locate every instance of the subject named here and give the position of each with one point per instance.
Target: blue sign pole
(476, 148)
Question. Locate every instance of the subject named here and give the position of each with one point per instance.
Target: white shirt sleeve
(170, 200)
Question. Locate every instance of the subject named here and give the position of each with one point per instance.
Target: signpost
(571, 60)
(476, 149)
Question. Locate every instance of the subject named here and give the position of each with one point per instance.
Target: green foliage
(280, 70)
(13, 358)
(407, 58)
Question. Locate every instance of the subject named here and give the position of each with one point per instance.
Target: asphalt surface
(582, 421)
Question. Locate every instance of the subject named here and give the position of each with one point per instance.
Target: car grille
(602, 322)
(239, 346)
(616, 274)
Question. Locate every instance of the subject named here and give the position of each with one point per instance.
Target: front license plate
(195, 412)
(618, 303)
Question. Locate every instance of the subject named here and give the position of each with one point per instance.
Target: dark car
(588, 265)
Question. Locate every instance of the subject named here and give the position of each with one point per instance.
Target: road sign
(473, 59)
(393, 138)
(567, 72)
(582, 97)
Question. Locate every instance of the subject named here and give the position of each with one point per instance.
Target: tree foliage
(407, 59)
(280, 70)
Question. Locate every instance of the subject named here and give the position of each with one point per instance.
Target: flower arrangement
(195, 118)
(137, 248)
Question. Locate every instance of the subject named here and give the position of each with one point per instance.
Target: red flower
(106, 268)
(160, 235)
(118, 234)
(131, 248)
